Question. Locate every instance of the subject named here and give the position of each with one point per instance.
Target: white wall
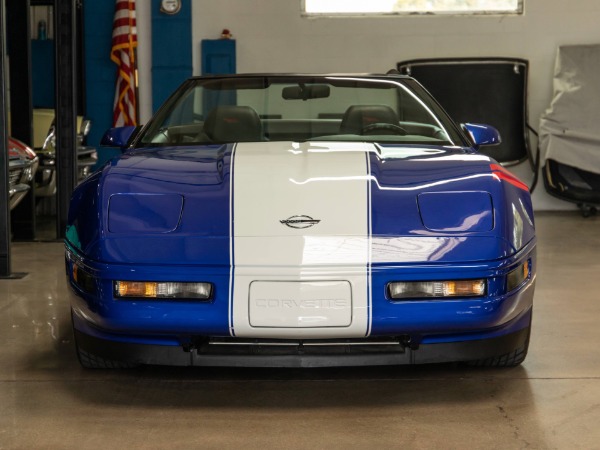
(272, 36)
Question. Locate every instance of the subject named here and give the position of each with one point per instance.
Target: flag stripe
(124, 42)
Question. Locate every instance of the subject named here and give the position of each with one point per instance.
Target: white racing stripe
(275, 181)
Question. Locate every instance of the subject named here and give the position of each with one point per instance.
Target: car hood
(409, 203)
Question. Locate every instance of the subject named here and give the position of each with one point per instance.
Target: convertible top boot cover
(569, 137)
(569, 132)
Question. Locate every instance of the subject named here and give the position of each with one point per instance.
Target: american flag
(124, 42)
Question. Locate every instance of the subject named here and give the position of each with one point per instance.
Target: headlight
(436, 289)
(517, 276)
(153, 289)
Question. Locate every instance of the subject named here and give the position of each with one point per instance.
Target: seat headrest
(358, 117)
(233, 124)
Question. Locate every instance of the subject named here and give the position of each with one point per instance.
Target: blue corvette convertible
(301, 220)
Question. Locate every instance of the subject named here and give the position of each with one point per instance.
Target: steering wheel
(382, 126)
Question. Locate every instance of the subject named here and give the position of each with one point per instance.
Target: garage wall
(274, 37)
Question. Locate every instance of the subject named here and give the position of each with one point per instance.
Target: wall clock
(170, 6)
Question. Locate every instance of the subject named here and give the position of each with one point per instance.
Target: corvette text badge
(300, 222)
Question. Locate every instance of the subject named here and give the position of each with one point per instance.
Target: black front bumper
(233, 352)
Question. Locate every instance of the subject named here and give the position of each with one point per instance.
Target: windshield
(299, 108)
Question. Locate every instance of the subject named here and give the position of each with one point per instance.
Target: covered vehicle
(301, 220)
(22, 164)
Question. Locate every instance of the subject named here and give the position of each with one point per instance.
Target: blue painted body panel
(463, 211)
(117, 137)
(198, 247)
(483, 135)
(454, 319)
(201, 176)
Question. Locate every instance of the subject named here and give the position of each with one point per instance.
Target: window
(390, 7)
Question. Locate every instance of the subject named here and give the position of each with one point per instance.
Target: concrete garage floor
(552, 401)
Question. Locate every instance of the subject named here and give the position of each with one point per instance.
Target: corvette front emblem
(300, 222)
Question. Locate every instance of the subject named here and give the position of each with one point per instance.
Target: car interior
(264, 110)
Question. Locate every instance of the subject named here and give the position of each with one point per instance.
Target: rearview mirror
(305, 92)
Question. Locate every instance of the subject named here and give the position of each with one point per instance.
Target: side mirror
(119, 137)
(482, 135)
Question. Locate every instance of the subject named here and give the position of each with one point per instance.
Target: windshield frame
(252, 81)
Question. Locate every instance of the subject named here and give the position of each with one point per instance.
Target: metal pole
(66, 109)
(4, 207)
(18, 43)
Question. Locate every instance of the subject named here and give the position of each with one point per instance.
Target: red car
(23, 163)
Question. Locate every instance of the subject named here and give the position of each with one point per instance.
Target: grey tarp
(570, 127)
